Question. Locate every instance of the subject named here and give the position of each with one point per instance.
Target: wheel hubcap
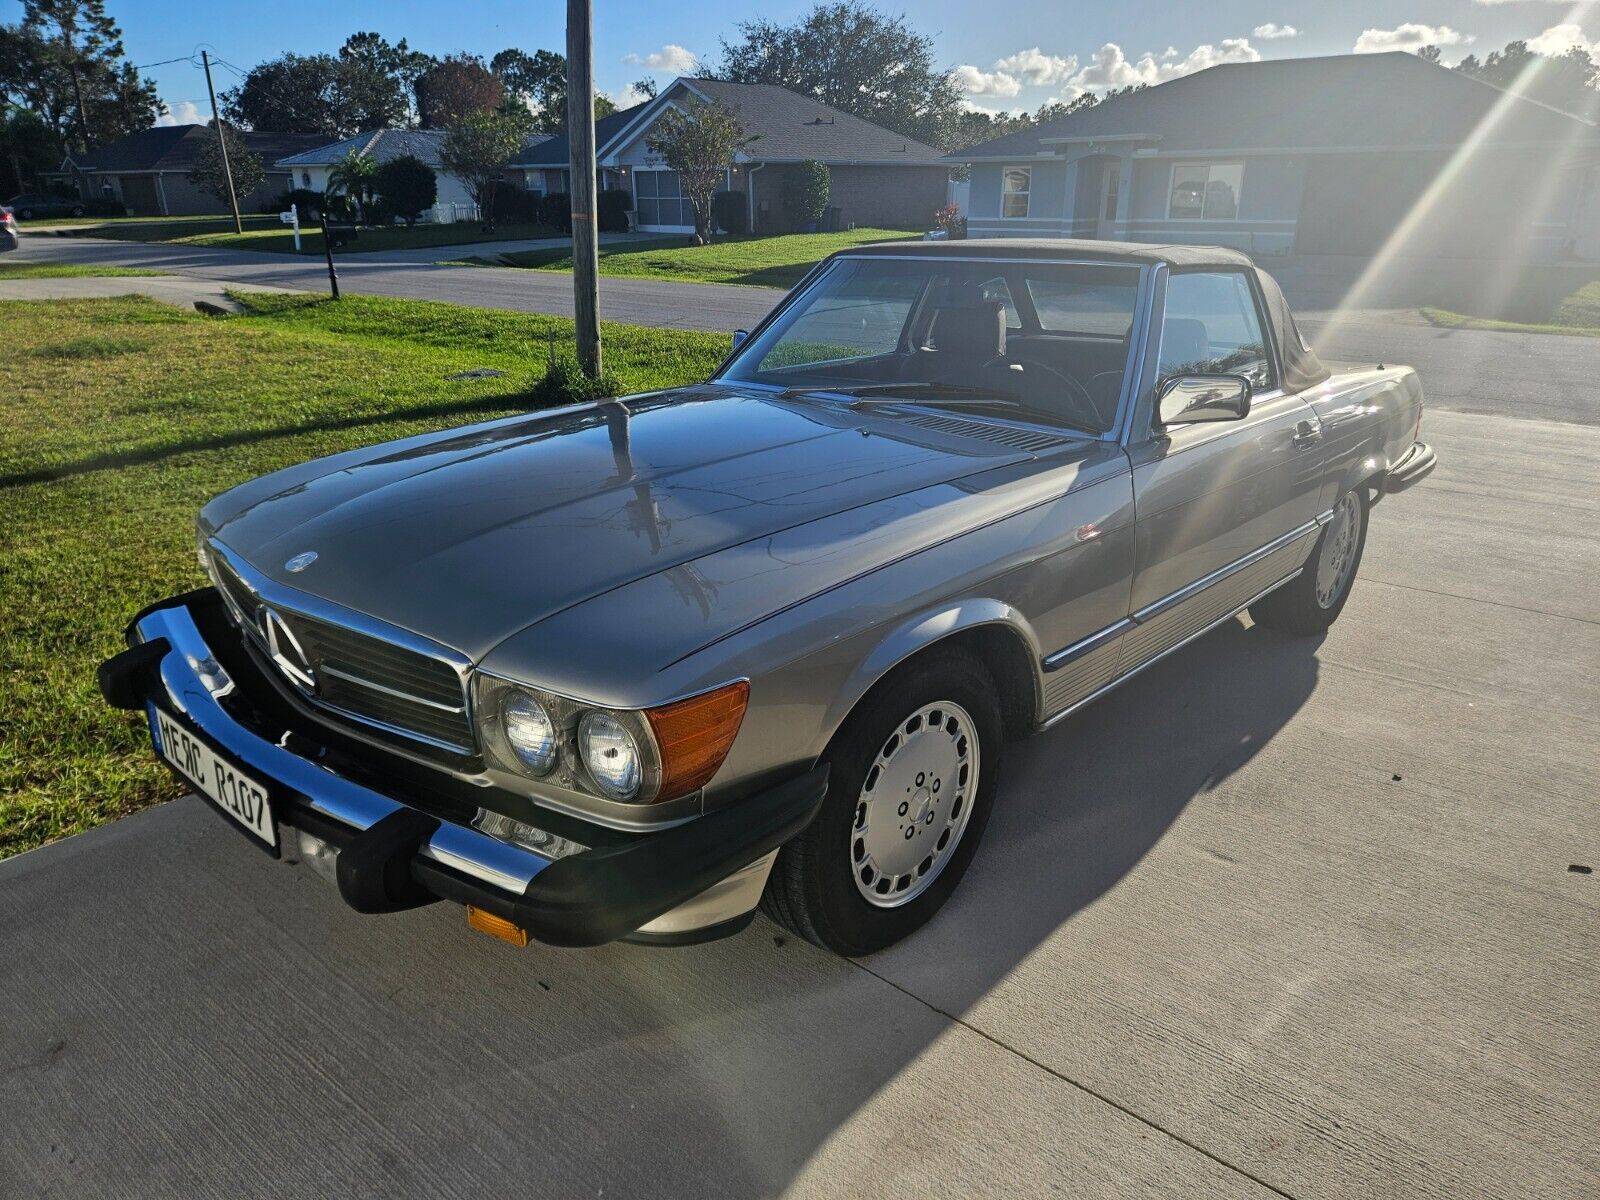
(1338, 559)
(914, 805)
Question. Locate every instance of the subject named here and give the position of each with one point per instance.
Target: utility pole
(580, 138)
(222, 144)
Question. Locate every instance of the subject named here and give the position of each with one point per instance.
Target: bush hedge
(612, 207)
(730, 212)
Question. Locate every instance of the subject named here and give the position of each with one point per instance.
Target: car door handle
(1306, 435)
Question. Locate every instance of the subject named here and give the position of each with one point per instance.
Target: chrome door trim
(1151, 661)
(1093, 642)
(1101, 637)
(1199, 585)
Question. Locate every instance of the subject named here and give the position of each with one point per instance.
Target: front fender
(901, 641)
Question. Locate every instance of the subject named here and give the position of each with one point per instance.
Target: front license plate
(215, 777)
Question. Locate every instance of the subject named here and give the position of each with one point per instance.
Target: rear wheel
(913, 775)
(1313, 600)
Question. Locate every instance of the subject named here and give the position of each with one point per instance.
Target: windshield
(1051, 338)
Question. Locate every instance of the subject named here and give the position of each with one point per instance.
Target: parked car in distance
(8, 230)
(630, 668)
(33, 205)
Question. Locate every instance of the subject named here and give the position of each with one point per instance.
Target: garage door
(660, 203)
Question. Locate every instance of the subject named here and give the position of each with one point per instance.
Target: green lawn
(125, 415)
(67, 271)
(280, 239)
(152, 229)
(1576, 314)
(761, 262)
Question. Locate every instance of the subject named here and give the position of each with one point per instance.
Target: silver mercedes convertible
(634, 669)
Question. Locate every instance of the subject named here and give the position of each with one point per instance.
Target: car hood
(470, 535)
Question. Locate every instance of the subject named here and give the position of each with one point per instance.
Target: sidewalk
(179, 290)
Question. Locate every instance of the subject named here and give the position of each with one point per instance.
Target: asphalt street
(1281, 917)
(1511, 374)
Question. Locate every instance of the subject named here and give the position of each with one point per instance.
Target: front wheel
(913, 775)
(1313, 600)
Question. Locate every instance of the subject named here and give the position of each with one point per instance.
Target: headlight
(610, 754)
(530, 731)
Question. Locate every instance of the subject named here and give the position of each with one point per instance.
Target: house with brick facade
(877, 177)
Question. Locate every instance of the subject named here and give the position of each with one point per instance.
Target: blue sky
(1012, 55)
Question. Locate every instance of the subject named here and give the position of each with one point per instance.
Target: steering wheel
(1077, 393)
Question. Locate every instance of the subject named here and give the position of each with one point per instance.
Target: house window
(659, 199)
(1015, 184)
(305, 179)
(1207, 191)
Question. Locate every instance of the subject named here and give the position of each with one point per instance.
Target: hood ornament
(300, 562)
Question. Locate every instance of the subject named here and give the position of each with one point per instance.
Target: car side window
(1212, 327)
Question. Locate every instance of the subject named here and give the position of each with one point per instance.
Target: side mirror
(739, 336)
(1187, 399)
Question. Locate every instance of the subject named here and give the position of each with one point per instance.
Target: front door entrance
(1110, 185)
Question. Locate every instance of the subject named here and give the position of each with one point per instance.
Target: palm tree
(354, 175)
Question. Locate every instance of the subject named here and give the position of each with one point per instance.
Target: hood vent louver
(1001, 435)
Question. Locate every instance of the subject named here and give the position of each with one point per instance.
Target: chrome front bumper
(390, 855)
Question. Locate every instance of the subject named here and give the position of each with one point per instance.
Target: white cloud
(671, 57)
(1410, 36)
(1272, 31)
(985, 83)
(630, 96)
(183, 112)
(1038, 68)
(1112, 68)
(1558, 39)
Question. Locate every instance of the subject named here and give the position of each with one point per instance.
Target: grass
(1573, 314)
(280, 239)
(124, 416)
(68, 271)
(759, 262)
(153, 229)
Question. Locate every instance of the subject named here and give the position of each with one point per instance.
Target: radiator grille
(355, 675)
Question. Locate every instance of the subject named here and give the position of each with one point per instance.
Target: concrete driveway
(1280, 917)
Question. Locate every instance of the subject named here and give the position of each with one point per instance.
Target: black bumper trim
(399, 861)
(1414, 465)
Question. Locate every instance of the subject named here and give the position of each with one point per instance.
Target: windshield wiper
(889, 392)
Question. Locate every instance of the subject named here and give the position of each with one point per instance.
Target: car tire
(24, 214)
(1313, 600)
(77, 211)
(828, 885)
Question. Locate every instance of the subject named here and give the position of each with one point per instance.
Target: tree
(456, 87)
(1569, 81)
(64, 61)
(699, 142)
(645, 87)
(538, 83)
(376, 82)
(246, 168)
(855, 58)
(354, 175)
(805, 191)
(293, 93)
(28, 147)
(408, 185)
(476, 150)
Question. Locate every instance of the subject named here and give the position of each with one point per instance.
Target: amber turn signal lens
(695, 735)
(486, 922)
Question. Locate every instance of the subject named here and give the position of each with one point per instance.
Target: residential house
(1309, 156)
(878, 177)
(543, 165)
(148, 171)
(311, 168)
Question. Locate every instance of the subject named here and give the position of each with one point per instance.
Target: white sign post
(292, 217)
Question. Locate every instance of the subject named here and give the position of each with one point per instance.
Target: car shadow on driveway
(196, 1019)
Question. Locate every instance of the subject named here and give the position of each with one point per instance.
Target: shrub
(950, 220)
(565, 383)
(555, 210)
(408, 186)
(514, 205)
(612, 207)
(730, 212)
(1582, 308)
(378, 211)
(805, 192)
(105, 208)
